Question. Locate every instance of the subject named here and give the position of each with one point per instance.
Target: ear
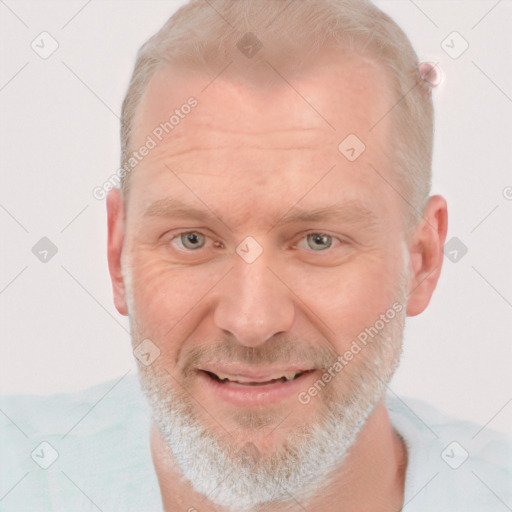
(426, 254)
(116, 227)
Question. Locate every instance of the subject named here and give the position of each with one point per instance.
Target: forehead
(282, 131)
(337, 93)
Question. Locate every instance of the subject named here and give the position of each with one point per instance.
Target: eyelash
(304, 236)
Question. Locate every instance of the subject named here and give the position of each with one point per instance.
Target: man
(272, 231)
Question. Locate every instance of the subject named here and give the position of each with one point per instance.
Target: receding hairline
(264, 77)
(197, 37)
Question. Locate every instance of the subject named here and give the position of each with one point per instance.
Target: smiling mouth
(239, 380)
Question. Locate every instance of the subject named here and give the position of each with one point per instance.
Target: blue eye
(319, 241)
(192, 240)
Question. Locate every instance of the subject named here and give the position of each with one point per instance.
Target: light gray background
(59, 139)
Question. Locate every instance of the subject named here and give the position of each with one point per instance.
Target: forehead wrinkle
(202, 149)
(213, 144)
(298, 139)
(187, 155)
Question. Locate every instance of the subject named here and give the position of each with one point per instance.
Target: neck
(372, 478)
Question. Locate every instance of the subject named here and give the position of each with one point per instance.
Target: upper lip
(253, 374)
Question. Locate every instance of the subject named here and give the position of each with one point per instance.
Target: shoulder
(453, 464)
(73, 450)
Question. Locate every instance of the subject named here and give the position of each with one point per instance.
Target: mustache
(283, 350)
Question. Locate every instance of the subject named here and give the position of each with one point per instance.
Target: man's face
(259, 162)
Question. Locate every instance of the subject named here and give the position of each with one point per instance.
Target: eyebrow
(351, 212)
(175, 208)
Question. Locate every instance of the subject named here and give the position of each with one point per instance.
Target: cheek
(351, 297)
(163, 296)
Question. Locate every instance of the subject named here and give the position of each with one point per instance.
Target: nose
(254, 304)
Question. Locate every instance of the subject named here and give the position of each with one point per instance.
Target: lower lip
(246, 395)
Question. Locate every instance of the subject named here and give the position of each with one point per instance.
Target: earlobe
(116, 228)
(426, 255)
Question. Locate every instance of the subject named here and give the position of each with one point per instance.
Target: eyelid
(169, 240)
(341, 239)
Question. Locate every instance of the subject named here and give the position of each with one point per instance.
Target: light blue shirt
(89, 451)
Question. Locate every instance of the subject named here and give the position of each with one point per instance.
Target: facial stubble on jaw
(209, 456)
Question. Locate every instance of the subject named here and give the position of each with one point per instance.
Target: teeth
(240, 378)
